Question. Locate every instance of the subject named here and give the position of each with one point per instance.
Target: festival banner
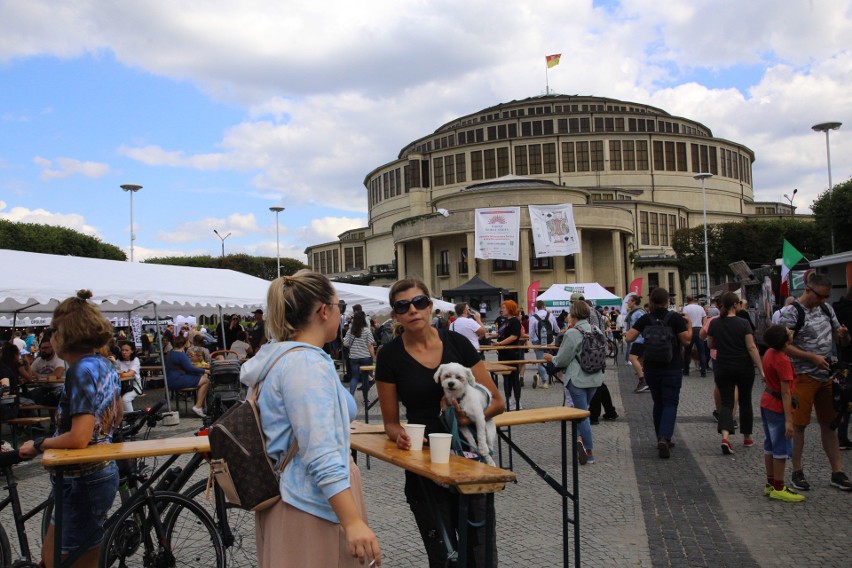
(553, 229)
(636, 287)
(136, 330)
(497, 233)
(532, 295)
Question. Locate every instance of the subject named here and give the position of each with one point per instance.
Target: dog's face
(454, 378)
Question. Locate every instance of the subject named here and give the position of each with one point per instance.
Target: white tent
(559, 295)
(374, 299)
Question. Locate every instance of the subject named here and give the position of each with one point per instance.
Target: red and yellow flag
(553, 60)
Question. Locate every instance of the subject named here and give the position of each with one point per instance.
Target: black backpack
(593, 351)
(548, 328)
(659, 340)
(385, 333)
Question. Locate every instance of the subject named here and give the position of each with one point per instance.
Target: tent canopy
(41, 281)
(559, 295)
(476, 286)
(374, 299)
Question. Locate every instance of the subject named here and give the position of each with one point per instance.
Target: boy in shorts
(776, 411)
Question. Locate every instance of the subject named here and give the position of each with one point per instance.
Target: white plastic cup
(439, 447)
(416, 432)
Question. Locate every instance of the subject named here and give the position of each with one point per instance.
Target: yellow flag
(553, 60)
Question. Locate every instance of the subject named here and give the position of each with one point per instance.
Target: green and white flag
(790, 258)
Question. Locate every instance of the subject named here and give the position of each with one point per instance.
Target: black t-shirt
(677, 323)
(415, 384)
(728, 335)
(843, 311)
(510, 326)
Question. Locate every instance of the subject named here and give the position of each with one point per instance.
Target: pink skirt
(288, 537)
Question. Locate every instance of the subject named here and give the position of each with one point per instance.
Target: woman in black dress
(509, 333)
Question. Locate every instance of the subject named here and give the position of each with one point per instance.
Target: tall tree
(834, 209)
(259, 266)
(47, 239)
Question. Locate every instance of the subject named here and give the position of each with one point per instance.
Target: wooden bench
(25, 425)
(37, 408)
(187, 395)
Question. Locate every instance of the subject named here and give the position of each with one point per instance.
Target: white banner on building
(553, 229)
(497, 233)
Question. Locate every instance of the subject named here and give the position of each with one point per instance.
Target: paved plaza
(698, 508)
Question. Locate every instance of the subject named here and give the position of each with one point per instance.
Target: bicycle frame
(21, 518)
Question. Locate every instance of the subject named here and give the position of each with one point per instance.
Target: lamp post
(277, 210)
(790, 199)
(702, 177)
(827, 127)
(223, 242)
(131, 188)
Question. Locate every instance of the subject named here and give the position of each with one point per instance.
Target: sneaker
(613, 416)
(642, 386)
(748, 442)
(544, 384)
(582, 456)
(522, 381)
(786, 495)
(703, 373)
(664, 449)
(590, 460)
(716, 415)
(841, 481)
(199, 412)
(535, 381)
(799, 482)
(594, 421)
(767, 489)
(845, 445)
(726, 448)
(519, 405)
(511, 405)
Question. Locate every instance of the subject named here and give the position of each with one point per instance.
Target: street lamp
(132, 188)
(277, 210)
(223, 242)
(826, 127)
(790, 199)
(702, 177)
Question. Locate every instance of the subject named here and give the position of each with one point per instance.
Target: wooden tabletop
(501, 347)
(522, 361)
(126, 450)
(467, 476)
(537, 415)
(368, 368)
(39, 381)
(497, 368)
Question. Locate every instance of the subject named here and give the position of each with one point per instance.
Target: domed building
(628, 170)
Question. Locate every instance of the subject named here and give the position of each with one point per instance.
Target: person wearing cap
(257, 336)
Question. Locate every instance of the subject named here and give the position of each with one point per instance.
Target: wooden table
(58, 460)
(561, 414)
(468, 477)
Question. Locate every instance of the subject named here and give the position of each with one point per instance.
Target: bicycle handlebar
(147, 415)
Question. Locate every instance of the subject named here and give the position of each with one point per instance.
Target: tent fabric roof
(374, 299)
(41, 281)
(476, 286)
(559, 295)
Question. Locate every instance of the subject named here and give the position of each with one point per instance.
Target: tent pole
(162, 359)
(222, 325)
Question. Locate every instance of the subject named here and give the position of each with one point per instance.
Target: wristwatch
(37, 444)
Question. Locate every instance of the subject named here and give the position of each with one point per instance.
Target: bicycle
(7, 461)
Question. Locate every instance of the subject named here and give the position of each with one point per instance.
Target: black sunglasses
(419, 302)
(822, 296)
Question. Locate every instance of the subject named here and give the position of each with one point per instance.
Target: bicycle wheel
(5, 548)
(240, 546)
(188, 537)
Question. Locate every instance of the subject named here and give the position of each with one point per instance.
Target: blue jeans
(581, 397)
(665, 391)
(86, 500)
(355, 372)
(702, 354)
(542, 370)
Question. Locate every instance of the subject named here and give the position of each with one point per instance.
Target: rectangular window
(664, 230)
(562, 125)
(548, 127)
(450, 169)
(583, 157)
(705, 158)
(619, 125)
(670, 156)
(462, 136)
(599, 124)
(570, 263)
(653, 281)
(537, 128)
(680, 156)
(671, 282)
(597, 155)
(574, 125)
(490, 164)
(502, 265)
(502, 162)
(513, 130)
(615, 155)
(359, 258)
(348, 259)
(568, 157)
(672, 226)
(501, 132)
(535, 158)
(655, 230)
(642, 159)
(693, 285)
(549, 152)
(643, 228)
(526, 128)
(480, 135)
(585, 125)
(492, 132)
(476, 165)
(696, 160)
(629, 155)
(521, 160)
(461, 173)
(443, 269)
(659, 157)
(463, 268)
(439, 171)
(335, 260)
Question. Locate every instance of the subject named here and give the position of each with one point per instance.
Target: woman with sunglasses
(233, 330)
(321, 519)
(405, 369)
(89, 410)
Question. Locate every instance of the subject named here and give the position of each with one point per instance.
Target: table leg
(490, 529)
(576, 498)
(461, 561)
(57, 511)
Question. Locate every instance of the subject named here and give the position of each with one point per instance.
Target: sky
(221, 110)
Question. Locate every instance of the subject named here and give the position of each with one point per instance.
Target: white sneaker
(511, 405)
(544, 384)
(199, 412)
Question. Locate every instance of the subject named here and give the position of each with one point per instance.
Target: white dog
(458, 383)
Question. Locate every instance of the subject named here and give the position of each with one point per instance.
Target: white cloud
(327, 228)
(236, 224)
(67, 167)
(44, 217)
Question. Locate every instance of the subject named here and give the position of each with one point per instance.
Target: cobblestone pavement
(698, 508)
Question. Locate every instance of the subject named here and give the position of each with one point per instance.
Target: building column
(471, 255)
(426, 242)
(579, 271)
(524, 258)
(631, 272)
(618, 263)
(401, 270)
